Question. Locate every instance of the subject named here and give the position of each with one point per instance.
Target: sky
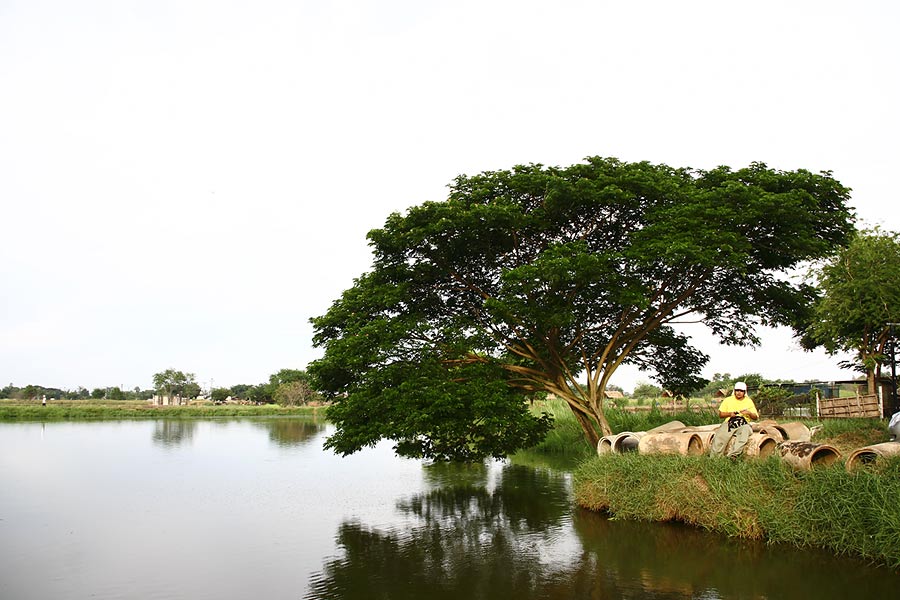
(183, 184)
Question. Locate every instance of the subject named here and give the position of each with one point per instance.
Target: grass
(849, 513)
(84, 410)
(567, 437)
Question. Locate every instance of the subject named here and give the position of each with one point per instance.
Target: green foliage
(465, 413)
(219, 394)
(240, 390)
(97, 393)
(176, 383)
(295, 393)
(621, 420)
(114, 393)
(646, 390)
(540, 273)
(753, 380)
(719, 381)
(860, 295)
(566, 437)
(772, 400)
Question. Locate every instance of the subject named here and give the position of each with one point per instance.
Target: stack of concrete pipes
(790, 440)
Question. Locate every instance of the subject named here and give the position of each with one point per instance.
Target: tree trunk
(587, 426)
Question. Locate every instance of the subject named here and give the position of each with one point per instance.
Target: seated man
(736, 409)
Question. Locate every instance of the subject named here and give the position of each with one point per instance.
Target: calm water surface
(256, 509)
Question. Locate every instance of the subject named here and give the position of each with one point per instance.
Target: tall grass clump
(566, 437)
(848, 513)
(623, 420)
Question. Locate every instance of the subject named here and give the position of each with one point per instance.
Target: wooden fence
(858, 406)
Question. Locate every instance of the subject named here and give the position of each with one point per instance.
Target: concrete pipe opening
(806, 455)
(604, 446)
(870, 456)
(760, 445)
(627, 441)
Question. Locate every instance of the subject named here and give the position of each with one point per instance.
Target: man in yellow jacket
(737, 410)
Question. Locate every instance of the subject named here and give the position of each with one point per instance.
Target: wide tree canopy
(547, 279)
(860, 298)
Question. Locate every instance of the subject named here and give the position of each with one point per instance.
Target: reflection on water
(233, 509)
(471, 537)
(285, 432)
(291, 432)
(480, 534)
(173, 432)
(681, 561)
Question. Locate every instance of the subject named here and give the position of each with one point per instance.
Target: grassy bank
(84, 410)
(851, 514)
(566, 437)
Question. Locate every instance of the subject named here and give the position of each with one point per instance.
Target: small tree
(174, 383)
(295, 393)
(646, 390)
(860, 296)
(114, 393)
(219, 394)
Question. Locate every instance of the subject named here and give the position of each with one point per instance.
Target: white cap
(740, 385)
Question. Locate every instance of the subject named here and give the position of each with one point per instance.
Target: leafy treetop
(531, 279)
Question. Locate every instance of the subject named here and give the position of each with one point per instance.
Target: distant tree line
(288, 387)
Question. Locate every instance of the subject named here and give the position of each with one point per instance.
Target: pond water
(254, 508)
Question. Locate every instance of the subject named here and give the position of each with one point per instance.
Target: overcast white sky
(185, 183)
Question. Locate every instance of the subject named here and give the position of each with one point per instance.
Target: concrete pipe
(794, 432)
(627, 441)
(761, 445)
(670, 426)
(671, 442)
(604, 446)
(869, 456)
(699, 428)
(770, 429)
(706, 437)
(806, 455)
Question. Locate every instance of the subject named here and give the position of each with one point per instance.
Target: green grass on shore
(848, 513)
(85, 410)
(566, 437)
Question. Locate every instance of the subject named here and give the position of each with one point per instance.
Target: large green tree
(860, 298)
(548, 279)
(176, 383)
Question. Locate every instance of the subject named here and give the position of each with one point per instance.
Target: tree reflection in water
(518, 536)
(468, 537)
(292, 431)
(173, 432)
